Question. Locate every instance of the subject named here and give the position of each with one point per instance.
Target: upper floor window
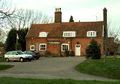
(69, 34)
(91, 34)
(43, 34)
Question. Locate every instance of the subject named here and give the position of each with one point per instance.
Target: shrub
(93, 50)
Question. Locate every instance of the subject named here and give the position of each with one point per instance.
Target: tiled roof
(56, 29)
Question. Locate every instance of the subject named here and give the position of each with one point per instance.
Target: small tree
(10, 43)
(93, 50)
(71, 19)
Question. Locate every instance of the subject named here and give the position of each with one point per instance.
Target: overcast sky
(83, 10)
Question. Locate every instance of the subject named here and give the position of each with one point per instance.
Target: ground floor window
(65, 47)
(32, 47)
(42, 47)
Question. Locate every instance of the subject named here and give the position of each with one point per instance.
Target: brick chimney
(105, 47)
(105, 22)
(58, 15)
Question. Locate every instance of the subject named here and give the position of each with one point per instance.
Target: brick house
(59, 36)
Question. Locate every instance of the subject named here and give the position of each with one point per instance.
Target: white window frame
(69, 33)
(91, 34)
(32, 49)
(43, 34)
(62, 46)
(42, 44)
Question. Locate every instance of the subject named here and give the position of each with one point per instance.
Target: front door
(77, 50)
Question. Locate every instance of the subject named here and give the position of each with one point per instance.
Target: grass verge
(5, 67)
(6, 80)
(109, 69)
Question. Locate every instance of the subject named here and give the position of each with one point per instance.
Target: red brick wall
(56, 48)
(84, 42)
(36, 42)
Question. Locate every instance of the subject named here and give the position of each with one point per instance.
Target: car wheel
(7, 60)
(29, 59)
(21, 59)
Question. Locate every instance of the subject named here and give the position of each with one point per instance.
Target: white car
(17, 55)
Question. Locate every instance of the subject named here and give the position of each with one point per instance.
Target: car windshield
(28, 52)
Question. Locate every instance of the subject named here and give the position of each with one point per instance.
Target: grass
(5, 67)
(2, 59)
(7, 80)
(109, 69)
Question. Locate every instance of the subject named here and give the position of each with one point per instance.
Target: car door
(11, 56)
(16, 55)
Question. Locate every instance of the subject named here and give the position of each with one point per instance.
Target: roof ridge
(69, 23)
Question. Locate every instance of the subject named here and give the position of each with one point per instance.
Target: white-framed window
(32, 47)
(43, 34)
(91, 34)
(65, 47)
(42, 46)
(69, 33)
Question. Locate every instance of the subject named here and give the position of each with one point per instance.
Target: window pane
(91, 34)
(65, 47)
(69, 34)
(42, 47)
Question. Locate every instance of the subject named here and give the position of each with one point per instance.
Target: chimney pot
(58, 15)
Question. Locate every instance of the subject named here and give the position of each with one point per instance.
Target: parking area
(50, 68)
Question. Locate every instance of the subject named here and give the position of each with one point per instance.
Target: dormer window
(91, 34)
(43, 34)
(69, 34)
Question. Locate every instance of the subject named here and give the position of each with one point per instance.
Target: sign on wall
(53, 42)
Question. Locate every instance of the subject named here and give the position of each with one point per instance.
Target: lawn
(5, 67)
(6, 80)
(109, 69)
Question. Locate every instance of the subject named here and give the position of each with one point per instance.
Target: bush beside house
(93, 50)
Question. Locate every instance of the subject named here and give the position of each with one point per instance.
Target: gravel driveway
(49, 68)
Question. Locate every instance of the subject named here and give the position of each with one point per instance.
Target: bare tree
(114, 31)
(114, 34)
(5, 11)
(23, 18)
(2, 35)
